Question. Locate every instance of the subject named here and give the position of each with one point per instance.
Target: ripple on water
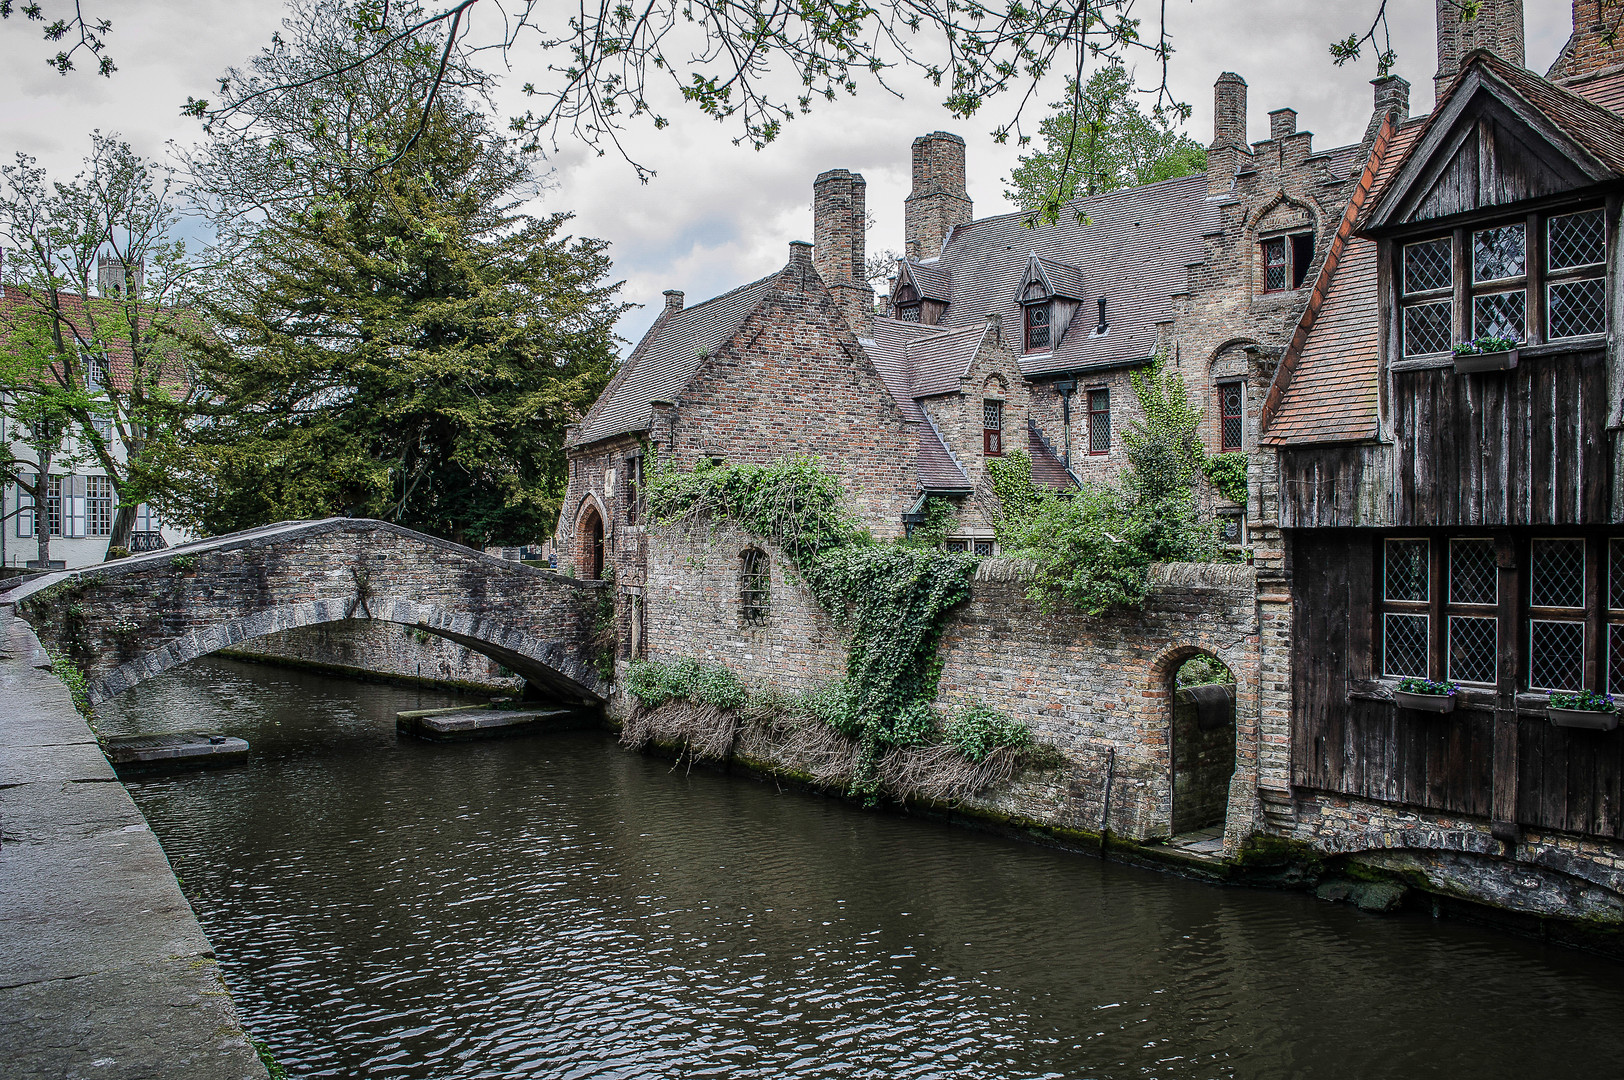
(552, 907)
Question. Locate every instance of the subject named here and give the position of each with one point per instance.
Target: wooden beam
(1504, 801)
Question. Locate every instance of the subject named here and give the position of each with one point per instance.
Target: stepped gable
(1331, 395)
(666, 359)
(1136, 245)
(1047, 468)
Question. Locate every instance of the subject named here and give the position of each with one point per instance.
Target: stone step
(486, 722)
(174, 750)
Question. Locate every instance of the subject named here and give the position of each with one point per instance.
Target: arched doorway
(589, 542)
(1203, 743)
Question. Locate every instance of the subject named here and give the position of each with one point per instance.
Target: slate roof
(666, 359)
(937, 469)
(940, 361)
(889, 349)
(931, 281)
(1047, 468)
(1063, 280)
(1133, 247)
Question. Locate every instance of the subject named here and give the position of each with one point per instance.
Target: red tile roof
(18, 303)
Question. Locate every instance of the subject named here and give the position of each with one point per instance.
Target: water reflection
(554, 907)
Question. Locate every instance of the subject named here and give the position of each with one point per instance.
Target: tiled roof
(1329, 385)
(938, 362)
(666, 359)
(1064, 280)
(1134, 245)
(19, 303)
(1605, 88)
(1047, 468)
(936, 467)
(931, 281)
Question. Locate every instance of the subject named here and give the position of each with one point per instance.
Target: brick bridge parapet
(125, 621)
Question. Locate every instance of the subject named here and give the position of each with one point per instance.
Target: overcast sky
(717, 215)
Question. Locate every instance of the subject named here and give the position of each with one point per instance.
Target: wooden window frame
(1093, 414)
(1534, 283)
(1224, 445)
(634, 486)
(992, 436)
(1293, 262)
(1048, 327)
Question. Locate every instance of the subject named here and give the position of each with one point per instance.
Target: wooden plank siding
(1348, 741)
(1523, 447)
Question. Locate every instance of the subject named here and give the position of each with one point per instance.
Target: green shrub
(655, 682)
(1228, 474)
(976, 731)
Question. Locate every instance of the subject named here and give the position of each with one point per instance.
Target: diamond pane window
(1498, 253)
(1557, 574)
(992, 426)
(1577, 308)
(1037, 327)
(1428, 328)
(1473, 643)
(1615, 659)
(1428, 266)
(1615, 574)
(1274, 264)
(1230, 418)
(1473, 578)
(1099, 421)
(1407, 570)
(1405, 645)
(1577, 240)
(1500, 315)
(983, 547)
(1556, 655)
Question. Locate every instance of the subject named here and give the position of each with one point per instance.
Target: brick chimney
(673, 299)
(1597, 42)
(839, 224)
(1392, 97)
(939, 200)
(1228, 132)
(1282, 123)
(1498, 27)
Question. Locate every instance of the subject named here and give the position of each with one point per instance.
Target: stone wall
(1098, 689)
(380, 648)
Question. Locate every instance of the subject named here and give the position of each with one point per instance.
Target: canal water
(555, 907)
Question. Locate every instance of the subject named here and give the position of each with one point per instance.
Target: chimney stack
(939, 200)
(673, 299)
(1592, 46)
(1498, 27)
(1392, 97)
(839, 225)
(1228, 132)
(1282, 122)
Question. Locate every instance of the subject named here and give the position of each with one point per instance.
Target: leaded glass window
(1473, 647)
(1037, 327)
(1473, 577)
(1406, 571)
(1427, 328)
(1099, 421)
(1501, 315)
(1231, 429)
(1556, 655)
(1405, 645)
(1428, 266)
(1556, 577)
(1576, 240)
(1499, 253)
(755, 586)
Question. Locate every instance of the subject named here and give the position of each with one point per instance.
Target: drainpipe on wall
(1066, 387)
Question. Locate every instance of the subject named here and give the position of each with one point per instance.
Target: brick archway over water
(125, 622)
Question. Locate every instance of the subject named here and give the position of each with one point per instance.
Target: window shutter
(73, 491)
(25, 507)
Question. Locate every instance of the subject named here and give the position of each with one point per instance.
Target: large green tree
(390, 335)
(1100, 139)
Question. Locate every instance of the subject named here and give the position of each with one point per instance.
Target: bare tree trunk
(123, 528)
(42, 517)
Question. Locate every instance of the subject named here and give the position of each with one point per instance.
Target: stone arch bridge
(124, 622)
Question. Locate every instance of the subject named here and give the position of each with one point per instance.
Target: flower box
(1584, 719)
(1469, 363)
(1435, 703)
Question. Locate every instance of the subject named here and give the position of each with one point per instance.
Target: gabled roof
(1583, 144)
(1325, 387)
(1135, 246)
(159, 327)
(928, 280)
(936, 466)
(1054, 278)
(939, 362)
(665, 361)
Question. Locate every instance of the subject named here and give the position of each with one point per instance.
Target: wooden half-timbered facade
(1457, 517)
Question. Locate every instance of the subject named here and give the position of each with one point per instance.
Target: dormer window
(1037, 327)
(1506, 289)
(907, 303)
(1286, 260)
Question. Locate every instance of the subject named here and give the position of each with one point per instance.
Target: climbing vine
(1092, 549)
(891, 597)
(1228, 474)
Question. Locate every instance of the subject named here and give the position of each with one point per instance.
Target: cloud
(717, 215)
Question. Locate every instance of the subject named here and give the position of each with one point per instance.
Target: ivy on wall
(892, 597)
(1092, 548)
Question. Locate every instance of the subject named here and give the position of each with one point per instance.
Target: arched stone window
(755, 586)
(589, 543)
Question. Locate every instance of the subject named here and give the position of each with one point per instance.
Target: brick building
(1269, 283)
